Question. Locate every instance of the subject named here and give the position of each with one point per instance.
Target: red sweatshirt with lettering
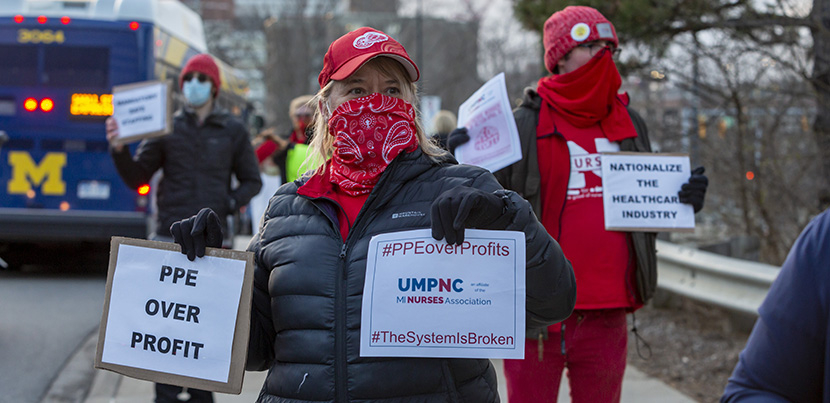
(569, 163)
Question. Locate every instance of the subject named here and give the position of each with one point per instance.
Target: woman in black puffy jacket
(380, 174)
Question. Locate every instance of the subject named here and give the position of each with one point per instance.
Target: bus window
(16, 65)
(74, 66)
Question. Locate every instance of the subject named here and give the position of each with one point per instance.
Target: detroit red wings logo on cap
(368, 39)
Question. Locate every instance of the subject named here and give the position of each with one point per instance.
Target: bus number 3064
(39, 36)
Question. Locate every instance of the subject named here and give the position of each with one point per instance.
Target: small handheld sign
(142, 110)
(494, 138)
(427, 298)
(169, 320)
(640, 192)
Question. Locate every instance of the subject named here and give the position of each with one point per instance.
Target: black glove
(197, 232)
(694, 191)
(456, 138)
(464, 207)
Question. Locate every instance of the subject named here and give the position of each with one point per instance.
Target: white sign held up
(494, 138)
(640, 192)
(167, 319)
(142, 110)
(427, 298)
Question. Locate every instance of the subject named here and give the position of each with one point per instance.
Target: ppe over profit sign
(167, 319)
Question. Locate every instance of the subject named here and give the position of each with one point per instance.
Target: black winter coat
(197, 164)
(308, 287)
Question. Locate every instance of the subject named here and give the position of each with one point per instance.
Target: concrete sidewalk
(73, 384)
(109, 387)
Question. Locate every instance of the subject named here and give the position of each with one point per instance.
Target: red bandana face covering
(369, 132)
(298, 135)
(588, 95)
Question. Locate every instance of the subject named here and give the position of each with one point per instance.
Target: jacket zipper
(568, 183)
(340, 353)
(340, 385)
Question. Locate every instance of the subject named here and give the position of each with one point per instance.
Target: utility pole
(419, 39)
(820, 80)
(694, 143)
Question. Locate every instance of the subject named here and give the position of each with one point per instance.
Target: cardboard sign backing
(240, 334)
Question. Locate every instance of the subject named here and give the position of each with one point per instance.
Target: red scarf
(369, 132)
(587, 96)
(298, 135)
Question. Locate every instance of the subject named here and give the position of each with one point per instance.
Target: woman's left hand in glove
(464, 207)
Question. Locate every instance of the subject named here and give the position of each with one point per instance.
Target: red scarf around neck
(298, 135)
(588, 95)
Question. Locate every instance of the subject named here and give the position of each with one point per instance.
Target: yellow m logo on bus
(26, 174)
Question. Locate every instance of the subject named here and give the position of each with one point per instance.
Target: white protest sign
(258, 203)
(640, 192)
(427, 298)
(429, 106)
(167, 319)
(494, 138)
(142, 110)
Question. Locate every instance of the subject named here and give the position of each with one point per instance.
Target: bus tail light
(30, 104)
(42, 19)
(65, 20)
(134, 25)
(46, 105)
(18, 18)
(143, 199)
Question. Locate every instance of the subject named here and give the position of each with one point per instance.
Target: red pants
(591, 344)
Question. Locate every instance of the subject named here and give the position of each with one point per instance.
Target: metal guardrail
(734, 284)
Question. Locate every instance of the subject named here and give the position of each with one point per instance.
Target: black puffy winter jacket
(197, 164)
(308, 287)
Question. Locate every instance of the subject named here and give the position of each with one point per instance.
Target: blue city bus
(58, 63)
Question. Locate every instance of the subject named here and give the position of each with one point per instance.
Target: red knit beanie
(566, 29)
(204, 64)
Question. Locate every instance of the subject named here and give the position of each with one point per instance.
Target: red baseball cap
(350, 52)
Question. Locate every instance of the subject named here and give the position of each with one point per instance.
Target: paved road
(44, 317)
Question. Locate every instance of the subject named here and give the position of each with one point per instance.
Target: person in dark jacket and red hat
(197, 159)
(569, 119)
(379, 174)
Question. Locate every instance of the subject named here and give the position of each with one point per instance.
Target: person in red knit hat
(564, 124)
(206, 147)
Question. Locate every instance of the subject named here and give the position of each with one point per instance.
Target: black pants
(169, 394)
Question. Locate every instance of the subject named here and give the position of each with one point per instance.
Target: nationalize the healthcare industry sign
(640, 192)
(428, 298)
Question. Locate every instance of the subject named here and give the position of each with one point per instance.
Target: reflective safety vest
(294, 161)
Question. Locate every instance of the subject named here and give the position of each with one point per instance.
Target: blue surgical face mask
(196, 93)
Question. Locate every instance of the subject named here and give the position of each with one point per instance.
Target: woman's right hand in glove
(198, 232)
